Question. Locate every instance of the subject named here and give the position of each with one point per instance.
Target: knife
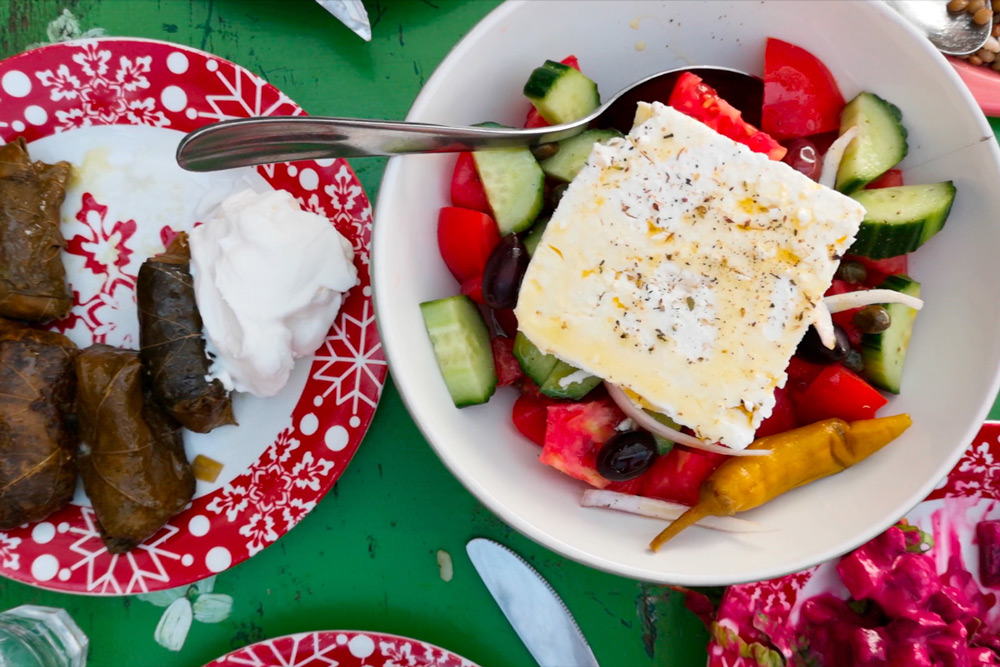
(351, 13)
(540, 618)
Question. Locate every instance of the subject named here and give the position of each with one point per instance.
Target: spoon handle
(267, 139)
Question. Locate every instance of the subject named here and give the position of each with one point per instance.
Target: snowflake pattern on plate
(122, 81)
(760, 612)
(341, 648)
(102, 89)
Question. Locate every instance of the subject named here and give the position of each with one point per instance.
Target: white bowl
(951, 377)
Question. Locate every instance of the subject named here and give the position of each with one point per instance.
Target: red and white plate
(343, 648)
(767, 612)
(116, 109)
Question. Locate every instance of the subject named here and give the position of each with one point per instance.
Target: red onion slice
(655, 508)
(840, 302)
(824, 324)
(833, 157)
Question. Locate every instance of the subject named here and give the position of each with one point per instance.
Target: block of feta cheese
(686, 268)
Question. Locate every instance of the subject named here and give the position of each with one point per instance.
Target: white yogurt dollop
(269, 279)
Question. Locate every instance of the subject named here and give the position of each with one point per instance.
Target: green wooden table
(366, 557)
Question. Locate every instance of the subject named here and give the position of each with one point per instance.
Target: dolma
(171, 344)
(132, 458)
(38, 437)
(32, 276)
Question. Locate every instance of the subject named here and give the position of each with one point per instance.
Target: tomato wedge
(508, 370)
(890, 179)
(782, 417)
(573, 434)
(838, 286)
(697, 99)
(466, 238)
(837, 392)
(466, 188)
(529, 415)
(535, 119)
(801, 97)
(630, 486)
(505, 321)
(473, 288)
(801, 373)
(845, 318)
(571, 61)
(878, 270)
(677, 477)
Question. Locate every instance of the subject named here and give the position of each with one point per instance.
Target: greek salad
(839, 353)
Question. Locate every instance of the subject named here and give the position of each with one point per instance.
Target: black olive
(803, 156)
(553, 196)
(504, 272)
(872, 319)
(852, 272)
(545, 151)
(626, 455)
(813, 350)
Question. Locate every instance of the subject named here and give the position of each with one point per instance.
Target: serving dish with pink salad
(922, 594)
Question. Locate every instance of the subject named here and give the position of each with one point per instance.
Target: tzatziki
(269, 279)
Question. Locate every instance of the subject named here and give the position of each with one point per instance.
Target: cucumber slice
(573, 154)
(534, 235)
(884, 353)
(565, 381)
(901, 219)
(561, 93)
(535, 364)
(462, 347)
(554, 377)
(663, 445)
(879, 146)
(514, 185)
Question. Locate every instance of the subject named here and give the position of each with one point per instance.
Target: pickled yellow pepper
(797, 457)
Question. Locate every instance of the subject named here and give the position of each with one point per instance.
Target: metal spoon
(263, 140)
(952, 33)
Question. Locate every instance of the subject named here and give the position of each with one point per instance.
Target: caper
(545, 151)
(852, 272)
(853, 362)
(626, 455)
(812, 349)
(872, 319)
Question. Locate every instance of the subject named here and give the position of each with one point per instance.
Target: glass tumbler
(32, 636)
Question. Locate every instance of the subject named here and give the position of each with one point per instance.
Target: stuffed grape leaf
(38, 437)
(132, 458)
(32, 276)
(171, 344)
